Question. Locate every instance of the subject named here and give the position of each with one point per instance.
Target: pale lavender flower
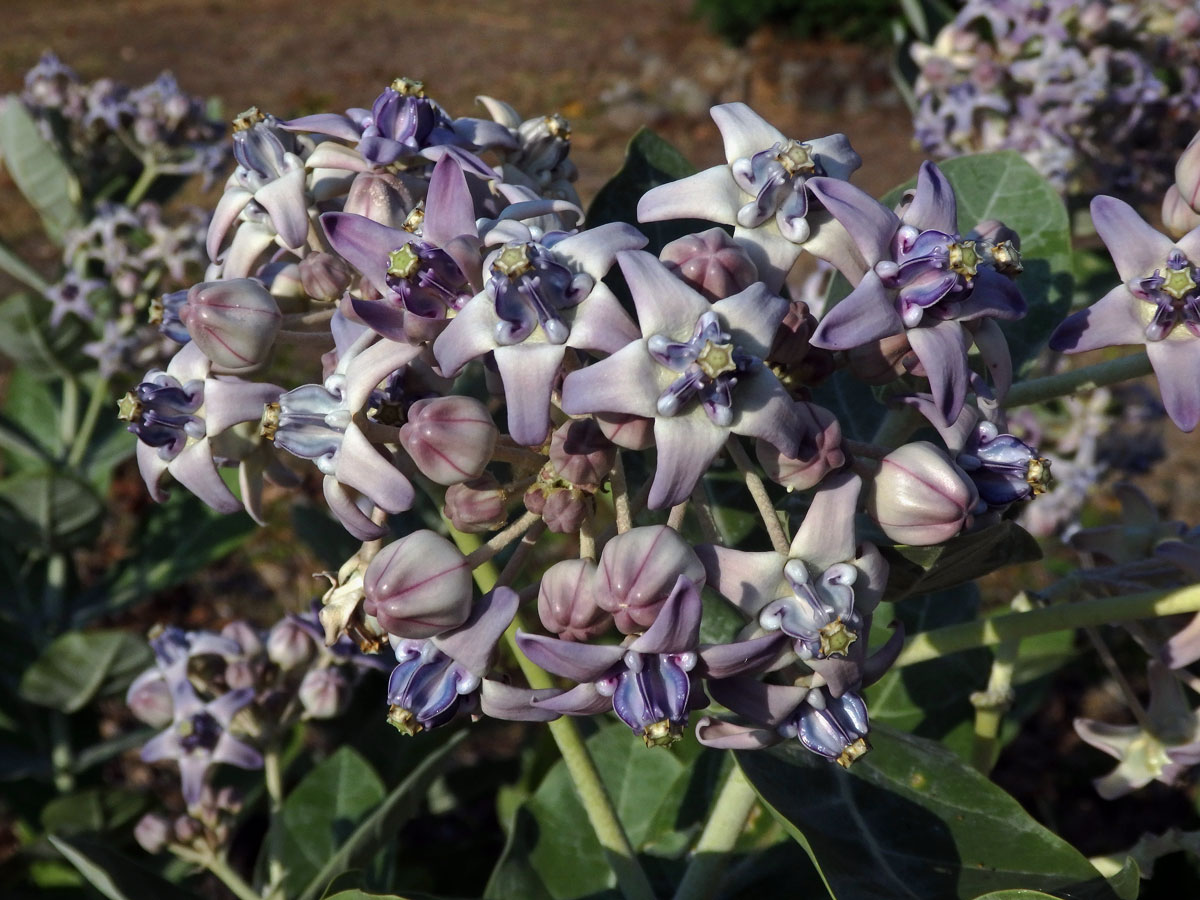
(762, 190)
(1158, 305)
(697, 371)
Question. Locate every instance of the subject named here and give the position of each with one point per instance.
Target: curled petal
(364, 468)
(195, 469)
(473, 644)
(579, 662)
(743, 130)
(712, 195)
(582, 700)
(742, 657)
(722, 735)
(503, 701)
(676, 628)
(827, 534)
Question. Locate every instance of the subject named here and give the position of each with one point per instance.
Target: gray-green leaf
(78, 666)
(40, 173)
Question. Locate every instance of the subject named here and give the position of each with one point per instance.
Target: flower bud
(149, 698)
(820, 451)
(451, 439)
(187, 830)
(564, 510)
(289, 645)
(245, 635)
(920, 497)
(324, 276)
(230, 799)
(637, 572)
(477, 505)
(882, 361)
(1178, 218)
(566, 603)
(233, 322)
(712, 262)
(993, 231)
(242, 673)
(581, 454)
(382, 197)
(1187, 174)
(324, 693)
(152, 832)
(790, 345)
(418, 587)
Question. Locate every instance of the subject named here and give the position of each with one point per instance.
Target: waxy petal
(711, 195)
(1109, 322)
(449, 209)
(687, 445)
(229, 207)
(826, 536)
(231, 751)
(747, 580)
(942, 350)
(365, 244)
(767, 704)
(626, 382)
(362, 467)
(933, 207)
(195, 470)
(742, 657)
(744, 131)
(721, 735)
(773, 255)
(866, 314)
(581, 700)
(332, 124)
(869, 223)
(993, 349)
(1136, 248)
(676, 629)
(469, 335)
(765, 410)
(593, 251)
(284, 201)
(344, 503)
(473, 645)
(752, 317)
(665, 305)
(516, 704)
(528, 371)
(571, 659)
(1176, 363)
(601, 323)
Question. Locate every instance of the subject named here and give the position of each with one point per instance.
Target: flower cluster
(1094, 95)
(471, 351)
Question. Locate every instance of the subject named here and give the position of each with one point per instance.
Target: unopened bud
(630, 432)
(152, 832)
(233, 322)
(919, 496)
(712, 262)
(581, 454)
(820, 451)
(566, 603)
(245, 635)
(149, 699)
(564, 510)
(324, 276)
(186, 830)
(289, 645)
(883, 361)
(324, 693)
(383, 198)
(477, 505)
(638, 571)
(451, 439)
(242, 673)
(790, 346)
(1178, 218)
(419, 586)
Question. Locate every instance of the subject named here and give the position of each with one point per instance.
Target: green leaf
(911, 820)
(363, 895)
(933, 700)
(26, 340)
(113, 875)
(40, 173)
(377, 829)
(92, 810)
(1016, 895)
(649, 161)
(321, 813)
(178, 538)
(51, 509)
(551, 854)
(921, 570)
(32, 407)
(78, 666)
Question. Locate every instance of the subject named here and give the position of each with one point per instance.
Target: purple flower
(915, 275)
(697, 372)
(763, 190)
(540, 297)
(1157, 305)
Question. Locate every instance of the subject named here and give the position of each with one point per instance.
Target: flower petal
(687, 445)
(943, 354)
(626, 382)
(449, 209)
(1176, 363)
(362, 467)
(284, 201)
(743, 130)
(711, 195)
(195, 470)
(676, 628)
(767, 704)
(742, 657)
(721, 735)
(365, 244)
(473, 644)
(1136, 248)
(747, 580)
(826, 535)
(571, 659)
(470, 334)
(516, 704)
(870, 224)
(593, 251)
(528, 371)
(933, 207)
(1109, 322)
(866, 314)
(665, 305)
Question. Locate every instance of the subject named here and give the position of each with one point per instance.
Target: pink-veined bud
(566, 603)
(564, 510)
(324, 693)
(242, 673)
(451, 439)
(1178, 218)
(383, 197)
(149, 698)
(581, 454)
(234, 323)
(289, 645)
(637, 572)
(820, 451)
(790, 345)
(919, 496)
(478, 505)
(324, 276)
(246, 636)
(282, 279)
(1187, 174)
(152, 832)
(712, 262)
(418, 587)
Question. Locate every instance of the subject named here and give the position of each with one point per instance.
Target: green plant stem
(1112, 371)
(91, 415)
(13, 265)
(991, 704)
(68, 422)
(61, 757)
(1062, 617)
(141, 186)
(758, 491)
(220, 868)
(727, 820)
(273, 775)
(592, 794)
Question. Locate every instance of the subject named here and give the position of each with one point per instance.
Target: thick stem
(758, 491)
(592, 793)
(989, 632)
(675, 518)
(620, 491)
(730, 812)
(91, 415)
(502, 539)
(273, 773)
(141, 186)
(991, 704)
(1086, 378)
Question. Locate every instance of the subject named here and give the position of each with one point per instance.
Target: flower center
(1174, 291)
(530, 288)
(162, 413)
(775, 178)
(199, 732)
(928, 267)
(426, 279)
(819, 614)
(710, 365)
